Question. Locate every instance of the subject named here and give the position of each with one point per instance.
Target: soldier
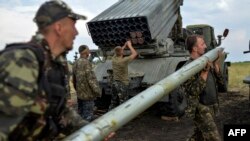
(120, 72)
(72, 98)
(86, 84)
(33, 79)
(202, 92)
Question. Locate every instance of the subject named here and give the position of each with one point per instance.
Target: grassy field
(237, 72)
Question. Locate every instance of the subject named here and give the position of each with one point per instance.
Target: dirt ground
(234, 109)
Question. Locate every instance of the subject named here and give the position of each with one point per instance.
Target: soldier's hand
(217, 61)
(125, 45)
(205, 71)
(219, 57)
(129, 43)
(112, 134)
(208, 66)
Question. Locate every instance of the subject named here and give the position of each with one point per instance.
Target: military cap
(82, 48)
(52, 11)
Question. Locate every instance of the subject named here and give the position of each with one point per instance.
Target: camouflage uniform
(87, 87)
(202, 114)
(119, 94)
(121, 80)
(33, 85)
(24, 105)
(73, 95)
(72, 92)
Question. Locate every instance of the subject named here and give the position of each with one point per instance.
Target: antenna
(75, 56)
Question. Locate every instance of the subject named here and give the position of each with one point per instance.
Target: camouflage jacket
(23, 103)
(195, 88)
(86, 84)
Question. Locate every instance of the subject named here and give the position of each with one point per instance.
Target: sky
(16, 21)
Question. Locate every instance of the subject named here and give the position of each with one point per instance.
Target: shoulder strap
(187, 62)
(39, 52)
(36, 49)
(74, 68)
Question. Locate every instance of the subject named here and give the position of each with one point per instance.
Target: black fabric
(209, 95)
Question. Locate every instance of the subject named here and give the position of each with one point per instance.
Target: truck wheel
(224, 88)
(226, 77)
(176, 105)
(103, 102)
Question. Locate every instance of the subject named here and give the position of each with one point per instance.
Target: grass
(237, 72)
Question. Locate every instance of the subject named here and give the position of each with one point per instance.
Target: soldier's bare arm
(124, 46)
(133, 52)
(217, 62)
(217, 70)
(204, 72)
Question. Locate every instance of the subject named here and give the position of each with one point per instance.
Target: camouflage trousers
(205, 127)
(3, 136)
(86, 109)
(119, 94)
(215, 110)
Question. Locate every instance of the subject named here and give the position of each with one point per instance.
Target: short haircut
(191, 42)
(82, 48)
(117, 50)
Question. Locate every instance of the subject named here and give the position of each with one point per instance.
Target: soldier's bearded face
(70, 33)
(201, 46)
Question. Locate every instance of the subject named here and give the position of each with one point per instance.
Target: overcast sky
(16, 21)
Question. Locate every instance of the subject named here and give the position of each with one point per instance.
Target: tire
(103, 102)
(224, 89)
(176, 105)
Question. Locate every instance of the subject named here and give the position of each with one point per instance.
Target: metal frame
(116, 118)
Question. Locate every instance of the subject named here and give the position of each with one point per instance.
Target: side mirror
(225, 33)
(248, 49)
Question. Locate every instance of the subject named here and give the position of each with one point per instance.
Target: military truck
(155, 29)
